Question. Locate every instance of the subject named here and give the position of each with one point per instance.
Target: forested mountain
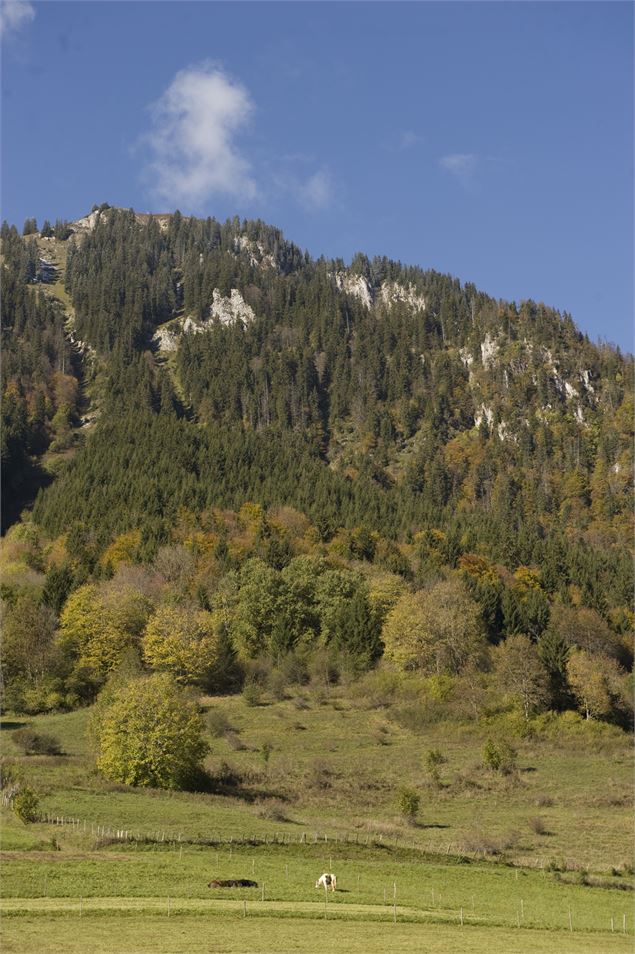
(416, 424)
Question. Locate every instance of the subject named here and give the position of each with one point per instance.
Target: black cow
(233, 883)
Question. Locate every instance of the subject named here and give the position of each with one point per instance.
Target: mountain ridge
(405, 377)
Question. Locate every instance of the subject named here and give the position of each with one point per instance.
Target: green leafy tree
(521, 674)
(27, 639)
(151, 734)
(438, 630)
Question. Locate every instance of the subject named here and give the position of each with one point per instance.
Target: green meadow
(537, 860)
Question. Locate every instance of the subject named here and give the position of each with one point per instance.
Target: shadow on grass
(228, 781)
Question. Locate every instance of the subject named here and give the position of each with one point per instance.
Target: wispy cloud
(14, 14)
(462, 165)
(317, 191)
(406, 139)
(193, 151)
(409, 138)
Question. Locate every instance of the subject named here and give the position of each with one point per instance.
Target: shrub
(235, 742)
(293, 668)
(556, 865)
(408, 801)
(218, 723)
(277, 684)
(36, 743)
(381, 735)
(252, 694)
(480, 842)
(272, 809)
(499, 756)
(537, 825)
(26, 805)
(434, 759)
(320, 774)
(150, 734)
(227, 776)
(544, 801)
(377, 689)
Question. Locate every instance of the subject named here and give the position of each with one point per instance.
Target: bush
(537, 825)
(499, 756)
(408, 801)
(36, 743)
(272, 809)
(293, 668)
(320, 774)
(150, 734)
(235, 742)
(544, 801)
(378, 689)
(252, 694)
(277, 684)
(481, 843)
(218, 723)
(434, 759)
(26, 805)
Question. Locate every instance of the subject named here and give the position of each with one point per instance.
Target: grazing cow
(233, 883)
(327, 880)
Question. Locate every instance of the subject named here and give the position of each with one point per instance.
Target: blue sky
(493, 141)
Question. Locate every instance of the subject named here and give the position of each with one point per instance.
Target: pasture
(303, 786)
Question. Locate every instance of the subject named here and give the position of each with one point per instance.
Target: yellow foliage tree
(123, 549)
(437, 630)
(182, 641)
(595, 681)
(150, 734)
(99, 623)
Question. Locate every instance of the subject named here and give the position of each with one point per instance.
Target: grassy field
(200, 934)
(332, 774)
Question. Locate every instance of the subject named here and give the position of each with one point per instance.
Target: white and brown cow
(326, 881)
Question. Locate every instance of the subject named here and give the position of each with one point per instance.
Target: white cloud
(462, 165)
(317, 191)
(194, 155)
(14, 14)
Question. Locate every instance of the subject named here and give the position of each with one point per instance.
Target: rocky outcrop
(231, 309)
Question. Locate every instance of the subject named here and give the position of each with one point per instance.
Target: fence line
(162, 836)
